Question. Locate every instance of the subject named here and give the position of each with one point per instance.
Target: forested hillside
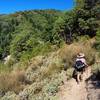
(24, 34)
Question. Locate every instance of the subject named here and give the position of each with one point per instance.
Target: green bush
(96, 68)
(97, 43)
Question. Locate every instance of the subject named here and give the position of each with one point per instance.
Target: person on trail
(80, 65)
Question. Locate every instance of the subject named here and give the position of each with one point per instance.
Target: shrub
(96, 70)
(69, 73)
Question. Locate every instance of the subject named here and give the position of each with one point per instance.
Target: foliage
(25, 32)
(97, 43)
(96, 71)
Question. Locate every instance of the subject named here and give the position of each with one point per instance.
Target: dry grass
(12, 81)
(68, 53)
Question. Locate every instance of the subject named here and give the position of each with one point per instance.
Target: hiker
(80, 65)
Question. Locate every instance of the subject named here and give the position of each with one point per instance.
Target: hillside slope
(44, 76)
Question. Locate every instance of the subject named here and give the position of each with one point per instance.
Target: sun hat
(80, 55)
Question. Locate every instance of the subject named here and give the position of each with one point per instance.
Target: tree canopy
(29, 31)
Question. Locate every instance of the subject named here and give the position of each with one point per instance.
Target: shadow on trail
(87, 89)
(93, 86)
(95, 80)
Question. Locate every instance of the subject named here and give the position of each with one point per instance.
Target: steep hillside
(44, 74)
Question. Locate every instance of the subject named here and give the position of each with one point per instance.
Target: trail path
(83, 91)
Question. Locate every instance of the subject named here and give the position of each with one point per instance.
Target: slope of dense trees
(28, 33)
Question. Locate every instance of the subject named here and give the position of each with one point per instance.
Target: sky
(11, 6)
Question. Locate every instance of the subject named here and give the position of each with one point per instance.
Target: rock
(6, 59)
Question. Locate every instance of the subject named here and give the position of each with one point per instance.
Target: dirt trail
(73, 91)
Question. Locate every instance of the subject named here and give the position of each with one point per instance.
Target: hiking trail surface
(85, 90)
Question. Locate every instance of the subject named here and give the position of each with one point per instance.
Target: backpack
(79, 64)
